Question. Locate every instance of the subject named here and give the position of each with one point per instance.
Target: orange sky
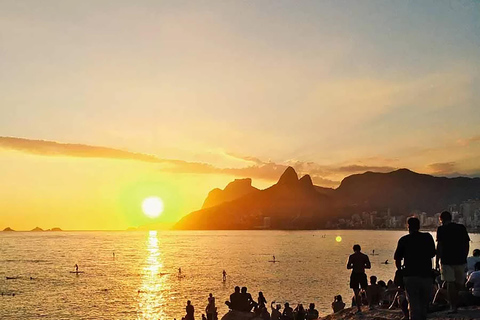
(174, 98)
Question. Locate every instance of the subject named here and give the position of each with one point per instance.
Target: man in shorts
(453, 245)
(358, 262)
(416, 250)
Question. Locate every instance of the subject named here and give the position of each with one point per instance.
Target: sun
(152, 207)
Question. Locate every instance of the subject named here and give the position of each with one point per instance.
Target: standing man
(453, 245)
(358, 262)
(416, 249)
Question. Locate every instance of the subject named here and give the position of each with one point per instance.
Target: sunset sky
(104, 103)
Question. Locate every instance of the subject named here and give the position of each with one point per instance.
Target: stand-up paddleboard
(273, 261)
(11, 278)
(77, 272)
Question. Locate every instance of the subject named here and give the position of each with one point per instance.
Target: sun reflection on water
(151, 294)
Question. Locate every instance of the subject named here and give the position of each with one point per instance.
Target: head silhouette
(476, 253)
(445, 217)
(237, 289)
(311, 306)
(413, 224)
(188, 302)
(286, 305)
(357, 248)
(373, 280)
(244, 289)
(339, 298)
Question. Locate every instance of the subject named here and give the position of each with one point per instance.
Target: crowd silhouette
(418, 287)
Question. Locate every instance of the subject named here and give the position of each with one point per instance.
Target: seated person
(235, 300)
(374, 293)
(473, 282)
(299, 312)
(264, 314)
(312, 313)
(471, 261)
(276, 314)
(246, 301)
(287, 312)
(338, 304)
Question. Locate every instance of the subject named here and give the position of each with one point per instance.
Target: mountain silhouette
(234, 190)
(289, 204)
(37, 229)
(403, 191)
(294, 203)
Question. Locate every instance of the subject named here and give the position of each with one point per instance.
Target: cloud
(355, 168)
(323, 175)
(52, 148)
(466, 142)
(443, 167)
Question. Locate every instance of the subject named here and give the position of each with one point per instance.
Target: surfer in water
(76, 268)
(273, 259)
(224, 273)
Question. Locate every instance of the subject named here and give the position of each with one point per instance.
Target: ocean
(141, 280)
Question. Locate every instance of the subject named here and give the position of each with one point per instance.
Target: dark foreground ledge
(467, 313)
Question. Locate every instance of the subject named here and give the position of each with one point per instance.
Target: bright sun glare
(152, 207)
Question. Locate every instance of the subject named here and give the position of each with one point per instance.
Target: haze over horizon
(103, 104)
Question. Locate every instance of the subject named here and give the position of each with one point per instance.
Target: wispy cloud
(467, 141)
(443, 167)
(266, 170)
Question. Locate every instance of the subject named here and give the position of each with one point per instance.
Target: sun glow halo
(152, 207)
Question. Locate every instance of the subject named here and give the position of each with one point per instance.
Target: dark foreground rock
(238, 315)
(468, 313)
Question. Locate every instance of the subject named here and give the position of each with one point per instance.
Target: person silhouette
(358, 262)
(190, 311)
(224, 273)
(235, 300)
(211, 310)
(76, 268)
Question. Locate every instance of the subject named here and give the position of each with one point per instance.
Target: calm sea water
(141, 282)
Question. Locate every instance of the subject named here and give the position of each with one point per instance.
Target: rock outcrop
(238, 315)
(234, 190)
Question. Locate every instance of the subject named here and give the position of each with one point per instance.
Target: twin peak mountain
(294, 203)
